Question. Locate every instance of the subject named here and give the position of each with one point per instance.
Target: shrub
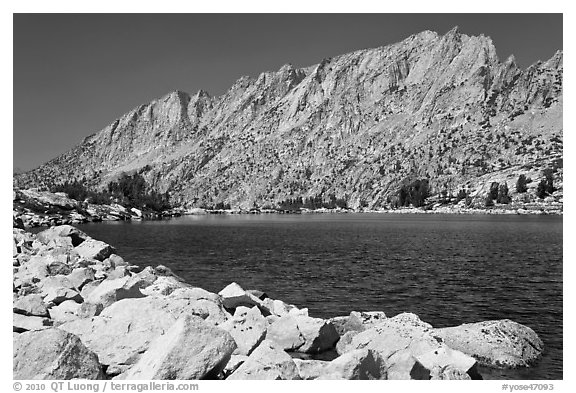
(414, 193)
(503, 196)
(462, 194)
(488, 201)
(541, 189)
(522, 184)
(494, 190)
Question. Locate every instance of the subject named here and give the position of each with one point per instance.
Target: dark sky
(75, 74)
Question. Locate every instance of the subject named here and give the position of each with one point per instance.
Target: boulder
(125, 329)
(233, 296)
(60, 294)
(303, 334)
(31, 305)
(58, 268)
(449, 373)
(310, 368)
(259, 294)
(233, 364)
(57, 281)
(344, 341)
(268, 361)
(410, 350)
(276, 307)
(394, 334)
(53, 354)
(501, 343)
(94, 249)
(357, 364)
(89, 310)
(285, 333)
(357, 321)
(59, 242)
(190, 349)
(118, 272)
(65, 311)
(248, 330)
(122, 332)
(115, 261)
(89, 287)
(75, 235)
(163, 286)
(112, 290)
(22, 323)
(200, 302)
(33, 271)
(81, 276)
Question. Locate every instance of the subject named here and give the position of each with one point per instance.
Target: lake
(447, 269)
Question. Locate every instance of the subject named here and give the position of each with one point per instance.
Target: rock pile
(81, 311)
(33, 208)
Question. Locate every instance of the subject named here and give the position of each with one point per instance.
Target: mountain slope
(355, 126)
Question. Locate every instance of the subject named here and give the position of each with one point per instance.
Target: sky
(76, 73)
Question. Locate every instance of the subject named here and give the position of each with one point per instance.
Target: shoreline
(41, 209)
(73, 290)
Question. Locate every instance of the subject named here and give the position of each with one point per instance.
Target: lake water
(448, 269)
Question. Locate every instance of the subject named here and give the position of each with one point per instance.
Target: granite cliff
(356, 127)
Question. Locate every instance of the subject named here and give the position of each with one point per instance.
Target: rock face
(53, 354)
(442, 107)
(501, 344)
(190, 349)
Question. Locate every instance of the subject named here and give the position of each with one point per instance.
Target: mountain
(356, 126)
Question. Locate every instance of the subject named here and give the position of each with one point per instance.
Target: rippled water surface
(448, 269)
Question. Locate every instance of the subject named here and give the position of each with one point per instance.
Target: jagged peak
(202, 94)
(556, 61)
(178, 94)
(287, 67)
(455, 31)
(511, 60)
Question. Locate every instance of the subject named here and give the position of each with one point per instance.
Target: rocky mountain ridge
(355, 127)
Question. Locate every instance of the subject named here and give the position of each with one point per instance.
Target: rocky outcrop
(353, 127)
(501, 344)
(98, 316)
(34, 208)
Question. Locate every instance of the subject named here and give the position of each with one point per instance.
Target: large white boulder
(268, 361)
(190, 349)
(248, 330)
(53, 354)
(303, 334)
(94, 249)
(501, 343)
(357, 364)
(112, 290)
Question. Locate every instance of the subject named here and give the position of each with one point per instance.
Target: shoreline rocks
(32, 208)
(101, 317)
